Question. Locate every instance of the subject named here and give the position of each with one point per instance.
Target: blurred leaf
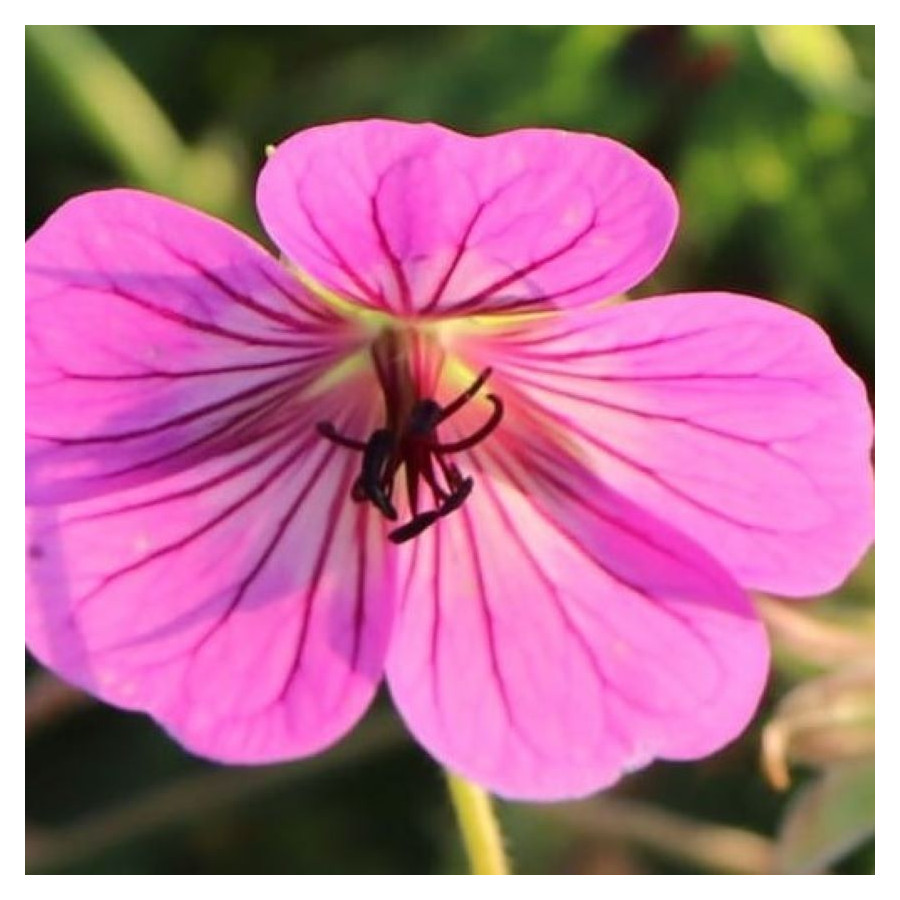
(818, 59)
(811, 637)
(828, 819)
(129, 125)
(823, 721)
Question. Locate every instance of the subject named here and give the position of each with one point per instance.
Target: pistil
(409, 439)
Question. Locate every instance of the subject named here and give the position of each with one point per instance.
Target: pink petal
(731, 418)
(417, 218)
(551, 636)
(244, 604)
(156, 337)
(206, 565)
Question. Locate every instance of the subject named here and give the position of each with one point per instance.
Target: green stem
(478, 826)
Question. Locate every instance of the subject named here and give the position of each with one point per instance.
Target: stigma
(409, 441)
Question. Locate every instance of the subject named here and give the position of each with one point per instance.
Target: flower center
(409, 440)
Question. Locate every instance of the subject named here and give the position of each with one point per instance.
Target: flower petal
(551, 636)
(156, 337)
(419, 219)
(244, 604)
(731, 418)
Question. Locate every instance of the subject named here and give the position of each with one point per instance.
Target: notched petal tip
(422, 220)
(568, 637)
(244, 605)
(730, 417)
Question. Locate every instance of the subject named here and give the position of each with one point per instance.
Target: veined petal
(156, 338)
(418, 219)
(551, 636)
(244, 603)
(731, 418)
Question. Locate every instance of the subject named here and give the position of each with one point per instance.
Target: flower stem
(478, 826)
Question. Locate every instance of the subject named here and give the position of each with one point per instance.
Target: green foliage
(828, 819)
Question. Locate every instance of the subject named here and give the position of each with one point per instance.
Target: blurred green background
(767, 134)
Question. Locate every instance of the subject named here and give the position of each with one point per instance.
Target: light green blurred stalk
(123, 119)
(478, 827)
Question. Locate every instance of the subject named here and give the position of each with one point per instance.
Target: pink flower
(253, 495)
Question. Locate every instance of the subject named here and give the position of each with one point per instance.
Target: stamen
(376, 459)
(478, 436)
(450, 472)
(425, 417)
(427, 472)
(409, 439)
(414, 527)
(466, 395)
(424, 520)
(327, 430)
(459, 496)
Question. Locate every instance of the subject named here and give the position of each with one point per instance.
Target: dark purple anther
(410, 440)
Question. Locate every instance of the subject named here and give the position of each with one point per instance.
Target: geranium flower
(418, 447)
